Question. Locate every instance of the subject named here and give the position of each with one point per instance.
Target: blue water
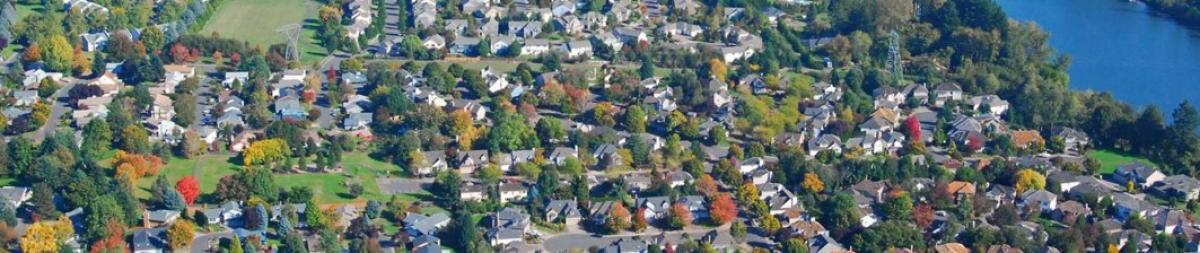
(1121, 47)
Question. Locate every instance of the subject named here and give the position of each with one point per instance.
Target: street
(57, 109)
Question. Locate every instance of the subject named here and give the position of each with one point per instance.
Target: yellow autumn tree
(812, 183)
(463, 126)
(1028, 179)
(264, 152)
(180, 234)
(80, 62)
(717, 69)
(46, 236)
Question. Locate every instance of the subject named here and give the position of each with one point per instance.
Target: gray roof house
(149, 241)
(509, 225)
(418, 224)
(290, 108)
(566, 210)
(1137, 172)
(1179, 186)
(15, 195)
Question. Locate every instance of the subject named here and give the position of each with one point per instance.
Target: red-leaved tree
(914, 128)
(188, 187)
(722, 209)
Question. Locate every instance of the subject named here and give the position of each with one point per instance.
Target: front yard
(1109, 160)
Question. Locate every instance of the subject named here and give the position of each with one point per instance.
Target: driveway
(402, 185)
(567, 241)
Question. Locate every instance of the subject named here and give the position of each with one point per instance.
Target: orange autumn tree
(722, 209)
(681, 217)
(115, 242)
(135, 166)
(707, 185)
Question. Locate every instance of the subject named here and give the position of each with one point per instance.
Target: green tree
(57, 53)
(635, 119)
(185, 109)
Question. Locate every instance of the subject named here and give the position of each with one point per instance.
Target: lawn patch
(1109, 160)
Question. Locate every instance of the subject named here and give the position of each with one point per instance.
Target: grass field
(328, 188)
(1109, 160)
(256, 21)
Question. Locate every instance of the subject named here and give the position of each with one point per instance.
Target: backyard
(1109, 160)
(257, 22)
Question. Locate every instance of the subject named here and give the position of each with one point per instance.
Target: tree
(265, 152)
(1028, 179)
(707, 185)
(898, 206)
(172, 200)
(717, 69)
(8, 214)
(114, 242)
(618, 218)
(180, 234)
(185, 109)
(795, 245)
(511, 133)
(722, 209)
(189, 188)
(680, 216)
(101, 213)
(840, 211)
(57, 53)
(134, 166)
(135, 139)
(635, 119)
(80, 63)
(812, 183)
(46, 236)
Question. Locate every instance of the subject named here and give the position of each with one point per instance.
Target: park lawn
(208, 170)
(328, 188)
(256, 22)
(1109, 160)
(26, 9)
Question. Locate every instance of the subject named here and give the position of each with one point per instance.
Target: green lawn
(1109, 160)
(26, 9)
(256, 21)
(328, 188)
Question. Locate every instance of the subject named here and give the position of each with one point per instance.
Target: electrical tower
(292, 33)
(894, 56)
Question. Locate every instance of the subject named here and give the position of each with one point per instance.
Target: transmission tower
(292, 33)
(894, 56)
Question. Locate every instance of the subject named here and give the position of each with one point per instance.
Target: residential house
(435, 161)
(1128, 205)
(510, 192)
(434, 42)
(991, 104)
(696, 206)
(418, 224)
(535, 47)
(598, 212)
(162, 216)
(34, 77)
(289, 108)
(94, 41)
(654, 207)
(1027, 139)
(1140, 174)
(1182, 187)
(826, 142)
(566, 211)
(578, 48)
(960, 190)
(1074, 139)
(947, 91)
(473, 192)
(150, 240)
(469, 160)
(509, 225)
(357, 121)
(15, 195)
(464, 45)
(25, 97)
(1043, 200)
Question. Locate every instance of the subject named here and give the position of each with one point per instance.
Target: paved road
(56, 112)
(209, 242)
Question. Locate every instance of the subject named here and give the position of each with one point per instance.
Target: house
(289, 108)
(162, 216)
(1071, 210)
(1074, 139)
(34, 77)
(953, 247)
(509, 225)
(223, 213)
(235, 77)
(991, 104)
(176, 72)
(1140, 174)
(654, 207)
(734, 53)
(149, 240)
(108, 83)
(1178, 186)
(826, 142)
(578, 48)
(598, 212)
(473, 192)
(1129, 205)
(419, 224)
(524, 29)
(569, 24)
(512, 192)
(468, 161)
(535, 47)
(960, 190)
(434, 42)
(1170, 221)
(15, 195)
(435, 161)
(464, 45)
(94, 41)
(560, 155)
(1027, 139)
(506, 161)
(947, 91)
(1003, 248)
(566, 211)
(678, 178)
(357, 121)
(631, 35)
(25, 97)
(696, 205)
(1042, 199)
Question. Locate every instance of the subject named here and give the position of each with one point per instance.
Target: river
(1120, 47)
